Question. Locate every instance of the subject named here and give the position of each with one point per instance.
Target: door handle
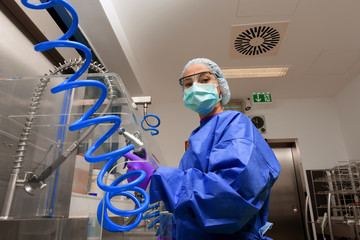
(295, 209)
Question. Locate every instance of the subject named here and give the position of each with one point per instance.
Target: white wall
(348, 106)
(314, 122)
(177, 122)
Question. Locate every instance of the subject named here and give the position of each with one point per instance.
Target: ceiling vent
(257, 39)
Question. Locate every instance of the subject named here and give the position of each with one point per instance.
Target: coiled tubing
(86, 121)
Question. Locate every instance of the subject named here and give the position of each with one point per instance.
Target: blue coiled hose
(152, 127)
(84, 121)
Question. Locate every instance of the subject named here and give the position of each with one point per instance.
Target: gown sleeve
(224, 199)
(231, 184)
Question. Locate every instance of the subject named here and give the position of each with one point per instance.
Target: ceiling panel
(266, 8)
(335, 61)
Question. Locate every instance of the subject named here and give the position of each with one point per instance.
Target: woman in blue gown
(222, 187)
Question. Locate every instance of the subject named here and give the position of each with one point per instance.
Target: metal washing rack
(341, 184)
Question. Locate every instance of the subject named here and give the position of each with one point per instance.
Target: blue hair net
(224, 87)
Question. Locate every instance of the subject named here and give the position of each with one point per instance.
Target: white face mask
(201, 98)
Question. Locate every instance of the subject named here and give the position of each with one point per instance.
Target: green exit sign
(262, 97)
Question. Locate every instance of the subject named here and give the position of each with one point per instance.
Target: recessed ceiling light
(255, 72)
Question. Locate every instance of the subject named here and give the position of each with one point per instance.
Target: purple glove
(145, 166)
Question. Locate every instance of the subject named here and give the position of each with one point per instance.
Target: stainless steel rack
(335, 197)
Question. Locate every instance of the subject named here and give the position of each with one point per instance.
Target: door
(286, 208)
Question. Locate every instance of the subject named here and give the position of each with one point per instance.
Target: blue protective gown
(222, 186)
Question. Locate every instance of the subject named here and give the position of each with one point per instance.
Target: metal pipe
(307, 200)
(9, 194)
(353, 186)
(356, 220)
(329, 215)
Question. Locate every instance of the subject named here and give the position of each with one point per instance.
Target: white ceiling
(148, 43)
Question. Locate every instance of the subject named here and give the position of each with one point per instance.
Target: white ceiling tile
(266, 8)
(334, 61)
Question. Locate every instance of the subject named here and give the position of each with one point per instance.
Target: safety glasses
(201, 77)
